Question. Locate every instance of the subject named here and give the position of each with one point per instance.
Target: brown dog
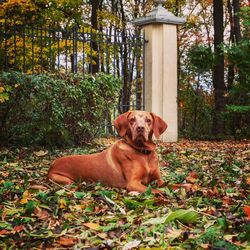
(130, 163)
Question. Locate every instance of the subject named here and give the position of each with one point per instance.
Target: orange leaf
(4, 232)
(248, 180)
(193, 174)
(247, 211)
(41, 213)
(62, 203)
(26, 197)
(192, 177)
(18, 229)
(67, 241)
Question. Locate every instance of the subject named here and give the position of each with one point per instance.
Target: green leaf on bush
(52, 110)
(238, 108)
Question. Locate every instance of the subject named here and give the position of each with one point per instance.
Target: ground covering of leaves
(205, 203)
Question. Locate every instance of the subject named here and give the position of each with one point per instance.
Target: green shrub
(59, 110)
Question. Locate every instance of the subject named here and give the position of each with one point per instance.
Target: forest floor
(205, 204)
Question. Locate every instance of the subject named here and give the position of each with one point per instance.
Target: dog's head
(139, 126)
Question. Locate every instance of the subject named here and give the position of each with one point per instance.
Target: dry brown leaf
(4, 232)
(67, 241)
(18, 229)
(103, 236)
(192, 177)
(205, 246)
(41, 153)
(134, 193)
(92, 225)
(41, 213)
(186, 186)
(38, 187)
(173, 233)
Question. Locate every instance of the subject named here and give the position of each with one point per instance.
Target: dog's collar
(143, 151)
(140, 150)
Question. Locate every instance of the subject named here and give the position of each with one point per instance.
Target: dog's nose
(140, 129)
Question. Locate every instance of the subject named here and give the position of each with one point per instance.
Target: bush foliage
(50, 109)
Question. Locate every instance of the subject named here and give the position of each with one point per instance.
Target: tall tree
(218, 70)
(94, 67)
(236, 9)
(230, 75)
(235, 34)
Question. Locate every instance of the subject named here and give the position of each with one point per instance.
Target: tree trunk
(94, 67)
(218, 71)
(231, 75)
(124, 56)
(236, 9)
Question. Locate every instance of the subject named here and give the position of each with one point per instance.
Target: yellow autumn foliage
(26, 197)
(62, 203)
(17, 5)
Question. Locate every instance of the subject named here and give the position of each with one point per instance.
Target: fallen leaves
(247, 211)
(205, 202)
(185, 216)
(186, 186)
(91, 225)
(42, 214)
(173, 233)
(131, 245)
(26, 197)
(192, 177)
(67, 241)
(248, 181)
(62, 203)
(38, 187)
(41, 153)
(18, 229)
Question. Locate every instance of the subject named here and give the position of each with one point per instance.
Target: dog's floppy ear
(159, 125)
(121, 123)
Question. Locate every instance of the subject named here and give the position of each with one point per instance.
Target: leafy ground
(205, 203)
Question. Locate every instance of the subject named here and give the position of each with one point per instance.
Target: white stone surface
(161, 75)
(160, 27)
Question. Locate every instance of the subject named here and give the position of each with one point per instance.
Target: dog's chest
(151, 163)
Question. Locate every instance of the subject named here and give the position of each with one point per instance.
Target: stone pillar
(160, 28)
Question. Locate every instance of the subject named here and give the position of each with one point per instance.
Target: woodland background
(213, 55)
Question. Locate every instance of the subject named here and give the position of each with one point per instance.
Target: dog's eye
(132, 120)
(148, 121)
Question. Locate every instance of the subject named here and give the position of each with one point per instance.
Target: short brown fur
(130, 163)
